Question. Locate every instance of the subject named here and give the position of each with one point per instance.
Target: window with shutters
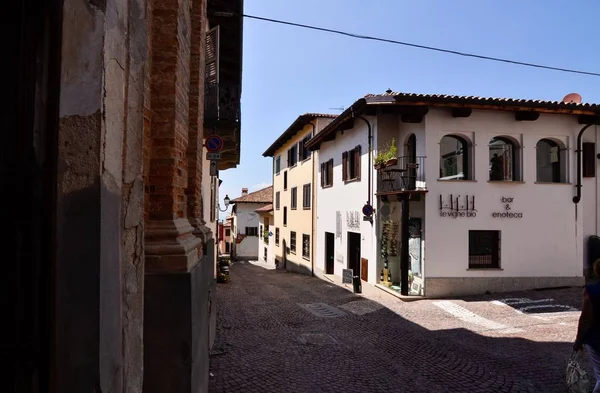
(293, 242)
(277, 236)
(351, 164)
(277, 200)
(278, 165)
(294, 198)
(306, 246)
(285, 216)
(306, 196)
(292, 155)
(211, 74)
(304, 152)
(327, 173)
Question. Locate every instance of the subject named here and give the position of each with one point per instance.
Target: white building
(245, 223)
(266, 230)
(481, 198)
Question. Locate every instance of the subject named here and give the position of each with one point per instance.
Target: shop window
(278, 165)
(304, 152)
(277, 200)
(285, 216)
(327, 173)
(276, 236)
(550, 161)
(285, 180)
(484, 249)
(589, 159)
(306, 246)
(294, 198)
(351, 164)
(454, 158)
(504, 159)
(251, 231)
(293, 242)
(306, 196)
(292, 155)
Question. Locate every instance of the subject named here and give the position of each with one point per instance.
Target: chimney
(244, 191)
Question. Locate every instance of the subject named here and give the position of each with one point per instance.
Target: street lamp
(226, 202)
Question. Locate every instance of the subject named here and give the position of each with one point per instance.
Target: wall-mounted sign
(458, 206)
(214, 143)
(367, 210)
(353, 220)
(507, 213)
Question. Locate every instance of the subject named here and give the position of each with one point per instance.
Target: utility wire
(365, 37)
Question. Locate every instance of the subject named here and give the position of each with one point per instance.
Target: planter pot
(391, 162)
(378, 166)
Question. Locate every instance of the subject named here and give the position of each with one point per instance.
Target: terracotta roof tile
(265, 209)
(261, 196)
(296, 126)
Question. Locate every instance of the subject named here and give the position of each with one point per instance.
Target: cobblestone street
(282, 332)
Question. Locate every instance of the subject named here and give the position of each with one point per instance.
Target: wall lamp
(226, 202)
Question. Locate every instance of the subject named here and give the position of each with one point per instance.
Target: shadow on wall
(391, 352)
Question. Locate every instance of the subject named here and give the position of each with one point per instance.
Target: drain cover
(323, 310)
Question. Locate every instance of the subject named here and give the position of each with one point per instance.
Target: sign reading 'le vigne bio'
(456, 206)
(507, 213)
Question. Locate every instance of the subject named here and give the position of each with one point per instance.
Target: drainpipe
(312, 206)
(577, 198)
(370, 141)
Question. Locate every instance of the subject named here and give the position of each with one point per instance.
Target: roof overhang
(298, 125)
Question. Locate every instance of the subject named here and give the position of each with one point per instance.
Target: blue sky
(288, 70)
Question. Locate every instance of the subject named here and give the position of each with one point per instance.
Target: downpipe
(370, 143)
(577, 197)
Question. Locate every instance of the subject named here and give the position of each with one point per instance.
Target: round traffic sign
(214, 143)
(367, 210)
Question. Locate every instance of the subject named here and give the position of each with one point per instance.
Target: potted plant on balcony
(266, 236)
(391, 154)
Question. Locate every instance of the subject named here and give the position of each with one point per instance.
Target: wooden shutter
(211, 73)
(357, 155)
(323, 174)
(330, 171)
(589, 159)
(345, 166)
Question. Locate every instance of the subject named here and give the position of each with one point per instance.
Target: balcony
(221, 103)
(407, 175)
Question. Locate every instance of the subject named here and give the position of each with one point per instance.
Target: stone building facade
(112, 102)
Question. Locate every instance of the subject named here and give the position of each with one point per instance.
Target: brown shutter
(323, 174)
(345, 166)
(330, 171)
(589, 159)
(357, 155)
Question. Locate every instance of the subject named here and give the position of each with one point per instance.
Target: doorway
(354, 252)
(329, 252)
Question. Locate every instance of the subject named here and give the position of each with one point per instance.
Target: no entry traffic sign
(214, 143)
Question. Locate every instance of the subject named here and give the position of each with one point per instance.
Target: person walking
(588, 330)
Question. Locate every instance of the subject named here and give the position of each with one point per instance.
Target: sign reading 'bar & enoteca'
(508, 212)
(456, 206)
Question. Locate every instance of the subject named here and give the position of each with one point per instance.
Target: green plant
(388, 152)
(266, 235)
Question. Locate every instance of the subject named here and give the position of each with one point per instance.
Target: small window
(306, 246)
(227, 232)
(589, 159)
(504, 163)
(265, 254)
(277, 200)
(227, 247)
(276, 236)
(294, 198)
(306, 196)
(285, 216)
(454, 158)
(278, 165)
(327, 173)
(550, 162)
(251, 231)
(285, 180)
(351, 164)
(293, 242)
(484, 249)
(304, 152)
(292, 155)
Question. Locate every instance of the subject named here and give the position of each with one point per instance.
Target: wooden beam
(526, 115)
(588, 119)
(329, 137)
(461, 112)
(412, 118)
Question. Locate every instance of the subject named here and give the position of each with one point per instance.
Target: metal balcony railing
(222, 102)
(408, 174)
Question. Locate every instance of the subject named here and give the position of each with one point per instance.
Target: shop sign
(507, 213)
(458, 206)
(353, 220)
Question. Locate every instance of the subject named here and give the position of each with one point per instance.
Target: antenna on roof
(341, 109)
(572, 98)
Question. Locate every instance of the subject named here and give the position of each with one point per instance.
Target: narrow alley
(283, 332)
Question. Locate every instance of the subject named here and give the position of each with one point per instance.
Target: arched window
(549, 162)
(504, 165)
(454, 158)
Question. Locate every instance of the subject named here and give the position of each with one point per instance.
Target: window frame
(515, 159)
(285, 180)
(285, 216)
(306, 196)
(327, 173)
(304, 153)
(294, 198)
(466, 158)
(277, 237)
(293, 242)
(494, 252)
(251, 231)
(277, 165)
(560, 170)
(277, 200)
(293, 155)
(351, 164)
(227, 232)
(305, 246)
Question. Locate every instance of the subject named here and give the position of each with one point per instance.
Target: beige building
(294, 195)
